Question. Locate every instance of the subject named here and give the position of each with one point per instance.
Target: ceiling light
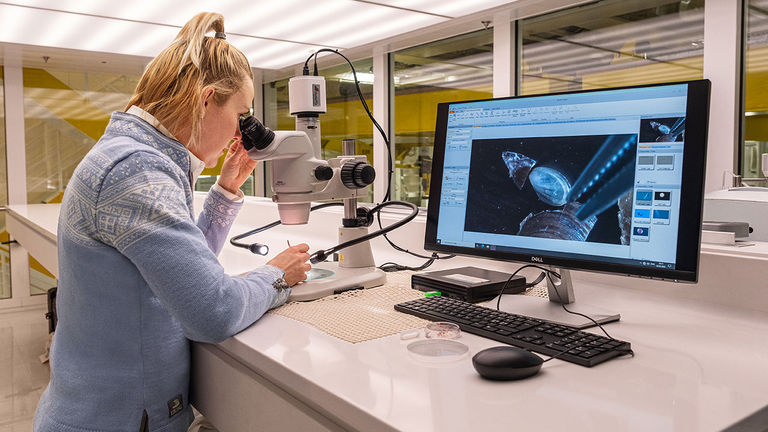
(449, 8)
(362, 77)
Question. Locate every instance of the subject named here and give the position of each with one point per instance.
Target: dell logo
(537, 259)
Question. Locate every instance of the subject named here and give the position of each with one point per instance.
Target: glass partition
(453, 69)
(612, 43)
(65, 113)
(755, 143)
(5, 250)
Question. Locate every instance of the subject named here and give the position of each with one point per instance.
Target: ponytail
(172, 84)
(193, 34)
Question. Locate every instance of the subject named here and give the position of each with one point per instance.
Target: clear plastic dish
(437, 350)
(442, 330)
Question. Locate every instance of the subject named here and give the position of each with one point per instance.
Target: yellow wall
(42, 79)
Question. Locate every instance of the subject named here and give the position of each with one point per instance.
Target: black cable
(367, 110)
(256, 247)
(434, 256)
(393, 267)
(503, 287)
(389, 266)
(322, 255)
(549, 273)
(572, 312)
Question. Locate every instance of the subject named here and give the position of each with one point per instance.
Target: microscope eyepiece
(255, 135)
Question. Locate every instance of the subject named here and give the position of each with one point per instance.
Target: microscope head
(299, 176)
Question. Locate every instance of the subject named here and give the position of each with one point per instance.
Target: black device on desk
(470, 284)
(608, 180)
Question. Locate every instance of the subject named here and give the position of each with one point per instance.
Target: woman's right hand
(293, 261)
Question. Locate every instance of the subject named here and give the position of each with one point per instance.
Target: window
(345, 117)
(612, 43)
(5, 250)
(755, 94)
(65, 112)
(454, 69)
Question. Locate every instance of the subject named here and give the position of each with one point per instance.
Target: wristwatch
(280, 284)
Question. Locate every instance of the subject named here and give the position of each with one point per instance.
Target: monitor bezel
(692, 190)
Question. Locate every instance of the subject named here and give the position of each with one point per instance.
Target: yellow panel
(417, 112)
(35, 265)
(346, 118)
(40, 78)
(217, 169)
(756, 128)
(93, 128)
(756, 83)
(48, 93)
(57, 199)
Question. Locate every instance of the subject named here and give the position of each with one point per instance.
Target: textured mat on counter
(363, 315)
(360, 315)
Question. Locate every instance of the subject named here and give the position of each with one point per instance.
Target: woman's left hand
(236, 168)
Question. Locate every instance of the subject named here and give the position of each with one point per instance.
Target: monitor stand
(560, 292)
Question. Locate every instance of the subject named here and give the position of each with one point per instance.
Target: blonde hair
(172, 84)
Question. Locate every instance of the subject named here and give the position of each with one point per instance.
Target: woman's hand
(293, 261)
(236, 168)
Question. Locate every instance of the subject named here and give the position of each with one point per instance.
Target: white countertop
(696, 368)
(42, 217)
(699, 363)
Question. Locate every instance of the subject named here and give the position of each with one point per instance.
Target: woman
(137, 276)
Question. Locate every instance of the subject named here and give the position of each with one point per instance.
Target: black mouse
(504, 363)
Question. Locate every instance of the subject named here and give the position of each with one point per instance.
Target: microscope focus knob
(357, 175)
(323, 172)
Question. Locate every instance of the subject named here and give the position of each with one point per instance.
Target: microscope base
(342, 279)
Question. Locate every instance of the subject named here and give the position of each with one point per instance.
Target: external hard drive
(470, 284)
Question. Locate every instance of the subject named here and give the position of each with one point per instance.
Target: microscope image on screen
(575, 188)
(668, 129)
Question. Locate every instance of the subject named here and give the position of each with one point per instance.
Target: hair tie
(220, 35)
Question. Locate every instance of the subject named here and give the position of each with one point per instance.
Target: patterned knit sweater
(138, 278)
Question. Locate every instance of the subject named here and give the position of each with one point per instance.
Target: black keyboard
(565, 342)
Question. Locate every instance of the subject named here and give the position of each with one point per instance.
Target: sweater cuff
(282, 295)
(227, 194)
(275, 272)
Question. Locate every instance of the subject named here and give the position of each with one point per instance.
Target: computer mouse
(505, 363)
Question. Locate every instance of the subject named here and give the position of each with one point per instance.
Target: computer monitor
(607, 180)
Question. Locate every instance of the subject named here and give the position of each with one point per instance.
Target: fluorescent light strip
(81, 32)
(371, 26)
(145, 27)
(442, 8)
(285, 20)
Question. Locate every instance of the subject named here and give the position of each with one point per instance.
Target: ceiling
(273, 34)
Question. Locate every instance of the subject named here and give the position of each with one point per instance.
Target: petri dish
(437, 350)
(318, 273)
(443, 330)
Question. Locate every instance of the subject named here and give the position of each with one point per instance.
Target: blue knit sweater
(138, 278)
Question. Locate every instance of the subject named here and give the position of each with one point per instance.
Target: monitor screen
(604, 180)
